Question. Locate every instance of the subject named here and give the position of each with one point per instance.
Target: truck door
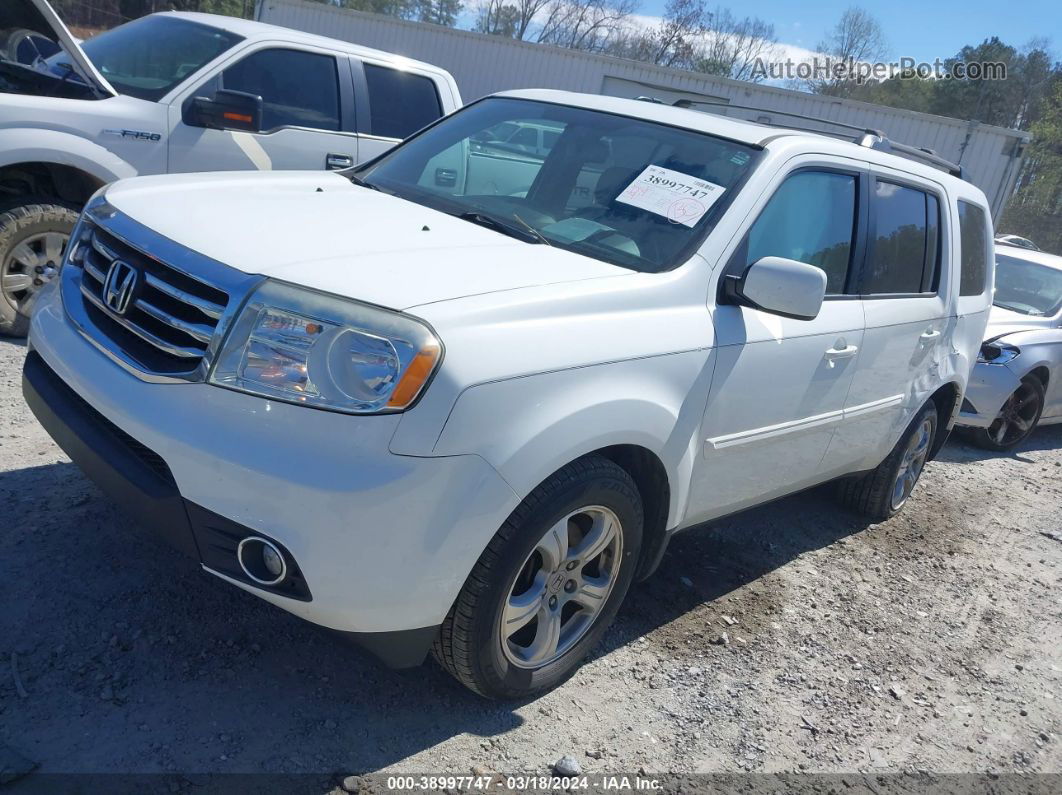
(307, 115)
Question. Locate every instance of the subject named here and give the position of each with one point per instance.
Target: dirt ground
(794, 637)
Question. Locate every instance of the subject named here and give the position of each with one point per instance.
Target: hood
(1006, 321)
(318, 230)
(39, 17)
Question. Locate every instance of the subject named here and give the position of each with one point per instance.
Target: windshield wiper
(1013, 308)
(361, 183)
(541, 237)
(497, 225)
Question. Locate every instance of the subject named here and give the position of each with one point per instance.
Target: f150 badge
(136, 135)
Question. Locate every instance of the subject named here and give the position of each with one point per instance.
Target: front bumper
(383, 543)
(988, 389)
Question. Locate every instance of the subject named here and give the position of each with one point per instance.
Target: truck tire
(1017, 417)
(882, 492)
(33, 237)
(548, 584)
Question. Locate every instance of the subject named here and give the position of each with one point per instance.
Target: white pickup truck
(177, 92)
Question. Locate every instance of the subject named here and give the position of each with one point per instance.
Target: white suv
(457, 401)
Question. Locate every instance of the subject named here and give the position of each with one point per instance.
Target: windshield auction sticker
(680, 198)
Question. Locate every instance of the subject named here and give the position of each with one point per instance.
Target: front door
(780, 384)
(307, 116)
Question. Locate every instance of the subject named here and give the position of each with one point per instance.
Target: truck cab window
(400, 103)
(298, 89)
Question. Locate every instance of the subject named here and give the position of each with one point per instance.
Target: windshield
(148, 57)
(1027, 287)
(633, 193)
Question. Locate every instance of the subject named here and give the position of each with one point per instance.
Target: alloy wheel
(911, 464)
(561, 587)
(1017, 417)
(29, 265)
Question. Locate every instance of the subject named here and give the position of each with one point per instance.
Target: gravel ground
(794, 637)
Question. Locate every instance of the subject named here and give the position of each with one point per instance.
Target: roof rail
(868, 137)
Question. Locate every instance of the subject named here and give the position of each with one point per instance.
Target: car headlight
(306, 347)
(997, 353)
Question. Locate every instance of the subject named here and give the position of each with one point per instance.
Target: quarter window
(400, 103)
(298, 89)
(811, 219)
(905, 245)
(973, 234)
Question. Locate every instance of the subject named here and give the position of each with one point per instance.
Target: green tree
(1035, 210)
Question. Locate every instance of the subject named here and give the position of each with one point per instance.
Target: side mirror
(779, 286)
(228, 110)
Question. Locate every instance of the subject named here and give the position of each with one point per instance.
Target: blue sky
(922, 30)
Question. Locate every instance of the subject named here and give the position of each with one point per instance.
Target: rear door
(904, 294)
(307, 114)
(779, 387)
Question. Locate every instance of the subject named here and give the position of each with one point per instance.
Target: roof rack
(866, 136)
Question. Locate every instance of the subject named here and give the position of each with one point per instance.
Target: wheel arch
(947, 399)
(46, 180)
(650, 477)
(73, 161)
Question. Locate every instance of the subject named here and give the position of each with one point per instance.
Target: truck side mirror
(227, 110)
(779, 286)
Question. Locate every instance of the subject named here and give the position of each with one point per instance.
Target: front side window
(149, 57)
(973, 235)
(627, 191)
(904, 247)
(1027, 287)
(400, 103)
(811, 219)
(298, 89)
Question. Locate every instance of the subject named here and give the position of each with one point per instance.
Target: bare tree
(589, 25)
(856, 38)
(731, 46)
(509, 18)
(674, 41)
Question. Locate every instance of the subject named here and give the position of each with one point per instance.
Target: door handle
(334, 161)
(928, 334)
(847, 352)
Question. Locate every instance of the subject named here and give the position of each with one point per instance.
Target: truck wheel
(33, 237)
(548, 584)
(882, 492)
(1016, 419)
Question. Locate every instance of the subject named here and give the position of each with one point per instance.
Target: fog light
(261, 561)
(273, 562)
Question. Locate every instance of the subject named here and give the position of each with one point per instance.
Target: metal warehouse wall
(484, 64)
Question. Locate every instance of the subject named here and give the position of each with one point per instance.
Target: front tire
(884, 491)
(1016, 419)
(548, 584)
(33, 238)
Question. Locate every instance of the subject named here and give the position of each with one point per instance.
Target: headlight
(997, 353)
(301, 346)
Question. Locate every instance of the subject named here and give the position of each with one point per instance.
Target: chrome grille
(170, 321)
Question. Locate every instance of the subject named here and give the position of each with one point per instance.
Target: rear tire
(536, 604)
(883, 492)
(33, 238)
(1016, 419)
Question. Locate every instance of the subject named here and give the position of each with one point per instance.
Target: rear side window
(298, 89)
(811, 219)
(400, 103)
(973, 234)
(904, 255)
